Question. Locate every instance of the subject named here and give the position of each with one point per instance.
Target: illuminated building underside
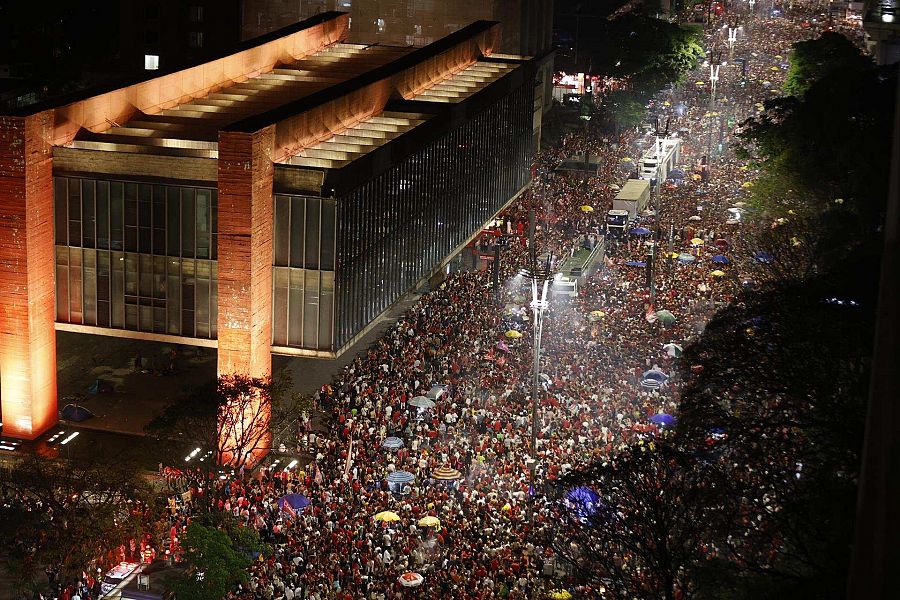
(274, 200)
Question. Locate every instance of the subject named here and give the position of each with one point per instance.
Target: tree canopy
(220, 557)
(828, 149)
(813, 60)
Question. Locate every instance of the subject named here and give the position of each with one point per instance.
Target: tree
(69, 515)
(220, 557)
(624, 109)
(813, 60)
(234, 416)
(829, 149)
(649, 534)
(783, 380)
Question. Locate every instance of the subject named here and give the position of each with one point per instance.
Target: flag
(349, 459)
(651, 314)
(290, 510)
(502, 345)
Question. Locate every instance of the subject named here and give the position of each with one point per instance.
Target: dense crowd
(488, 542)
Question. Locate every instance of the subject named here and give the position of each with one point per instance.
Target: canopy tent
(387, 516)
(640, 231)
(663, 420)
(422, 402)
(75, 413)
(721, 259)
(400, 477)
(446, 474)
(677, 174)
(655, 374)
(437, 390)
(685, 257)
(392, 443)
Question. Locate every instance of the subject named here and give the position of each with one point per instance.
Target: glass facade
(396, 228)
(303, 286)
(136, 256)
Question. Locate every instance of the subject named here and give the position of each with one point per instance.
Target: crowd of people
(488, 543)
(467, 348)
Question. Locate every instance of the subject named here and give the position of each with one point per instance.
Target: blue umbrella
(635, 263)
(721, 259)
(655, 374)
(584, 501)
(392, 442)
(295, 501)
(75, 413)
(686, 258)
(762, 257)
(663, 420)
(677, 174)
(640, 231)
(400, 477)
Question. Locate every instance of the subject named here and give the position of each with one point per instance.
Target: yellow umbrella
(674, 255)
(701, 83)
(429, 521)
(598, 313)
(743, 168)
(585, 208)
(795, 241)
(718, 273)
(696, 242)
(513, 334)
(775, 69)
(627, 159)
(747, 184)
(387, 516)
(778, 56)
(559, 595)
(506, 506)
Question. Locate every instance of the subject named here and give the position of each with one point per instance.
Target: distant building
(881, 21)
(167, 34)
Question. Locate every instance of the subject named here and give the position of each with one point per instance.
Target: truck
(631, 200)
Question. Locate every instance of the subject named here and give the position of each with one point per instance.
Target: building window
(151, 62)
(195, 14)
(195, 39)
(379, 25)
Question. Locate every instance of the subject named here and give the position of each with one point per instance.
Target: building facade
(278, 199)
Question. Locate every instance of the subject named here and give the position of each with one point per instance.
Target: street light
(540, 284)
(734, 25)
(715, 61)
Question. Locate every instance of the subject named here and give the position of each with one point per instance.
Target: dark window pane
(202, 223)
(187, 222)
(87, 204)
(328, 208)
(298, 211)
(159, 219)
(282, 231)
(173, 221)
(295, 308)
(103, 214)
(312, 233)
(74, 212)
(311, 310)
(131, 217)
(61, 210)
(116, 216)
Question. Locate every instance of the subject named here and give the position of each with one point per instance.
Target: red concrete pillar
(27, 265)
(245, 255)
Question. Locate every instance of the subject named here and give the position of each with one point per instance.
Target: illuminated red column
(245, 255)
(27, 294)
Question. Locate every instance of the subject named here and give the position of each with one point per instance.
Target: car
(115, 576)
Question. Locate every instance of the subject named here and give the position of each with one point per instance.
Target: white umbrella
(411, 580)
(421, 402)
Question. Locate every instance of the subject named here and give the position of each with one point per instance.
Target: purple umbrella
(663, 420)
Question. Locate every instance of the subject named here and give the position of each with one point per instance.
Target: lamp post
(734, 25)
(540, 284)
(714, 62)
